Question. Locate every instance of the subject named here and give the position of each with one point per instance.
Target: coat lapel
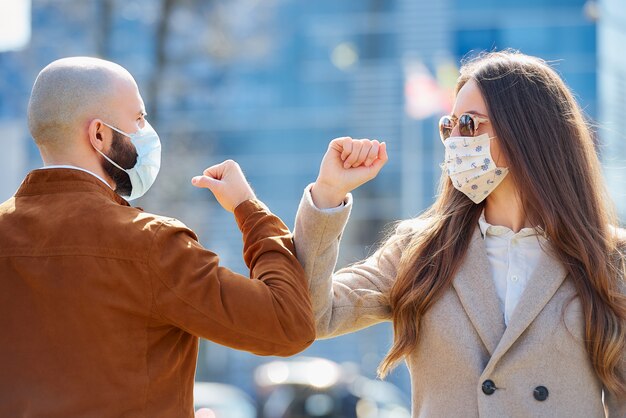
(542, 285)
(474, 285)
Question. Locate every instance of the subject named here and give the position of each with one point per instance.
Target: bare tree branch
(160, 61)
(103, 30)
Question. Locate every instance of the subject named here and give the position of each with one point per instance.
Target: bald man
(102, 304)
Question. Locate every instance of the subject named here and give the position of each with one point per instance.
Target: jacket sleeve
(267, 314)
(356, 296)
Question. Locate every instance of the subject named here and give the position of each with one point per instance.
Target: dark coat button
(489, 387)
(541, 393)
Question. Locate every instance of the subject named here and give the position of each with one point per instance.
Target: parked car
(222, 401)
(317, 388)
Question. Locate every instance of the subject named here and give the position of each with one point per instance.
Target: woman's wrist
(325, 197)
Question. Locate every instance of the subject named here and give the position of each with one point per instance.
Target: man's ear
(96, 133)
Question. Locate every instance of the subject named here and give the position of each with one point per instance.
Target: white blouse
(513, 257)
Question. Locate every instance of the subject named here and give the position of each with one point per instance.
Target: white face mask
(471, 168)
(146, 169)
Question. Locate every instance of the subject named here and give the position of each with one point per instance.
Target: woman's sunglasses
(468, 125)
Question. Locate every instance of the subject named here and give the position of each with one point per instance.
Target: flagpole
(411, 161)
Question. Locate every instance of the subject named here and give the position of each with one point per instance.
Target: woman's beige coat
(463, 341)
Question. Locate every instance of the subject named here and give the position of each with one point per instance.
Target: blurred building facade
(612, 96)
(270, 83)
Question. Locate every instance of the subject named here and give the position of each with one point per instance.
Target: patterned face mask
(470, 166)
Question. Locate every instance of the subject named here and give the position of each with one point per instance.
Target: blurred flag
(424, 95)
(14, 24)
(447, 75)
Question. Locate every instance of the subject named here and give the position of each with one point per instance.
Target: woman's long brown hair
(554, 165)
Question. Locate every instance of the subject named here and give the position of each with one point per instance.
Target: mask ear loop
(503, 170)
(104, 155)
(110, 160)
(117, 130)
(499, 154)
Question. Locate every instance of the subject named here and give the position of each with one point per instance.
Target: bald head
(68, 93)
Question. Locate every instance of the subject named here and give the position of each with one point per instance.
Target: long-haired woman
(507, 295)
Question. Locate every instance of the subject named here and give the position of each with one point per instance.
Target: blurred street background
(269, 84)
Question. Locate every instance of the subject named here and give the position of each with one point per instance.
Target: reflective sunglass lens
(445, 127)
(466, 125)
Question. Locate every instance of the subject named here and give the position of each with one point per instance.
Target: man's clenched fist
(227, 182)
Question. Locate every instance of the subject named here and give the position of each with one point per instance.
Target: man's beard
(124, 154)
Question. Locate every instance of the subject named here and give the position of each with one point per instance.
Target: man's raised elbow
(298, 340)
(294, 348)
(285, 348)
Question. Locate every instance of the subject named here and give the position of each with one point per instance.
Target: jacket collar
(59, 180)
(477, 293)
(76, 168)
